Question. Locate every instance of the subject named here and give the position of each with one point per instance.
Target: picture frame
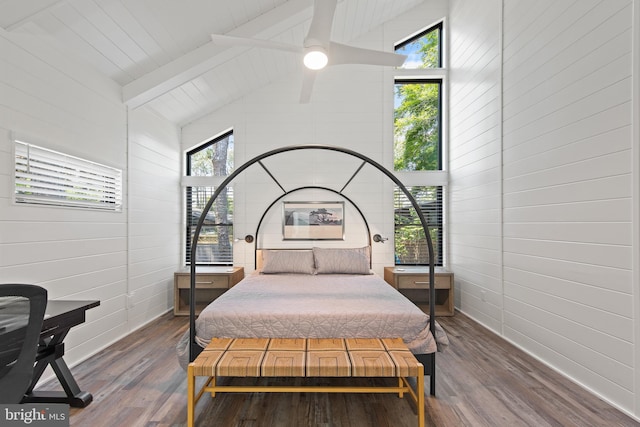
(313, 220)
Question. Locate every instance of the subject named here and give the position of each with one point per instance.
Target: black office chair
(22, 310)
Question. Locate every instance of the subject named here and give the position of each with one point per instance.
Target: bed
(292, 303)
(315, 292)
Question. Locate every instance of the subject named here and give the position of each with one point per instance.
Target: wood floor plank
(481, 381)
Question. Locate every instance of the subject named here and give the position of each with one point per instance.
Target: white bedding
(314, 306)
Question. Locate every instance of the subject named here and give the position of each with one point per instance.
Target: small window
(410, 241)
(424, 50)
(48, 177)
(215, 242)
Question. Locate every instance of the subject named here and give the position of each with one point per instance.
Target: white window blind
(47, 177)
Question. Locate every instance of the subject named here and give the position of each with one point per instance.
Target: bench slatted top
(306, 357)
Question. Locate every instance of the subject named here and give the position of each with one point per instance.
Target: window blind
(215, 242)
(48, 177)
(410, 241)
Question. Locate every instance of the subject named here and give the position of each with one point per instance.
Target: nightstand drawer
(203, 281)
(413, 283)
(422, 281)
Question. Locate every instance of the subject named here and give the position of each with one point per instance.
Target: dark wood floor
(482, 381)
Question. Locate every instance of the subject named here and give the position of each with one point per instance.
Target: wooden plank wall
(156, 202)
(559, 175)
(475, 159)
(59, 103)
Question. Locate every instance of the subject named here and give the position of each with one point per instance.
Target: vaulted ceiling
(161, 53)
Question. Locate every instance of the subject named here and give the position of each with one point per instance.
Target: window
(215, 242)
(48, 177)
(417, 125)
(424, 50)
(418, 145)
(409, 238)
(418, 105)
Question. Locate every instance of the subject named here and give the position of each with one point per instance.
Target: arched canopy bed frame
(194, 349)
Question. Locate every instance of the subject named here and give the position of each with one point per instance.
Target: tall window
(418, 145)
(215, 242)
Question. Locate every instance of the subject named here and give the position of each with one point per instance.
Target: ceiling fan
(318, 50)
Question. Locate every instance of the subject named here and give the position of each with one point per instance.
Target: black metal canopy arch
(310, 187)
(195, 349)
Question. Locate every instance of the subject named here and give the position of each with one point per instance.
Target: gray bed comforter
(314, 306)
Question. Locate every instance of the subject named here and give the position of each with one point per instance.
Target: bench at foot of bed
(299, 357)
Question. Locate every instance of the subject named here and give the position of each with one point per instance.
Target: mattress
(314, 306)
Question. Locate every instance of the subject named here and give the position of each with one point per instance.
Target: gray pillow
(342, 260)
(283, 261)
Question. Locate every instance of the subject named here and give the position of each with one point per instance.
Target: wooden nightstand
(211, 282)
(413, 282)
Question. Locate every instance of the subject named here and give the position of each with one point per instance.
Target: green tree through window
(417, 125)
(423, 50)
(418, 116)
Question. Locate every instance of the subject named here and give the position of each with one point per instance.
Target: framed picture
(313, 220)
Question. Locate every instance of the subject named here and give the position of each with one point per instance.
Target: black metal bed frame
(427, 359)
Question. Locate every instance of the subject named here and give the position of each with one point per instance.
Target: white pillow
(284, 261)
(342, 261)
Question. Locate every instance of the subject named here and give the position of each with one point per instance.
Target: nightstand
(413, 282)
(211, 282)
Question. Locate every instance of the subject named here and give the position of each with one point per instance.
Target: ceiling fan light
(315, 59)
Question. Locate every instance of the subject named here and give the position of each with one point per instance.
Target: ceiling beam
(206, 57)
(16, 13)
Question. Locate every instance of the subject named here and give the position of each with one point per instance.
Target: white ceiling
(160, 51)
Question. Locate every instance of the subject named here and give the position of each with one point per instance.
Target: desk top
(59, 314)
(60, 307)
(62, 315)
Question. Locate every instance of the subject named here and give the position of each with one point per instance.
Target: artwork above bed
(313, 220)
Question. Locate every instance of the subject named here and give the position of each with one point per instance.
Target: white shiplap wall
(57, 102)
(567, 148)
(75, 254)
(155, 214)
(556, 177)
(475, 158)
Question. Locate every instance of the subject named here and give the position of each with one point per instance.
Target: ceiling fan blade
(308, 78)
(224, 40)
(321, 23)
(344, 54)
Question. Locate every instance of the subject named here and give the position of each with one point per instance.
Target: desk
(59, 318)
